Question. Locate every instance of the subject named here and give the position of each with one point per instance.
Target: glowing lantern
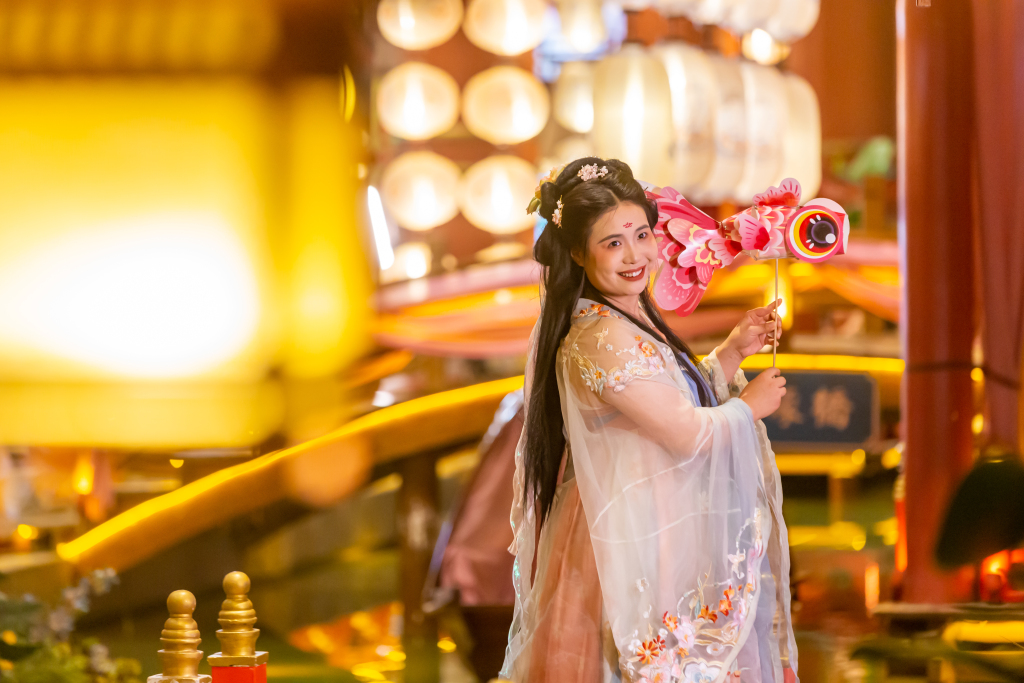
(495, 193)
(730, 140)
(582, 24)
(84, 474)
(801, 145)
(418, 24)
(574, 97)
(760, 47)
(633, 113)
(745, 15)
(417, 101)
(505, 105)
(792, 19)
(767, 107)
(692, 88)
(505, 27)
(419, 189)
(710, 11)
(412, 261)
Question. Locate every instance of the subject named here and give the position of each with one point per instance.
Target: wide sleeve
(724, 387)
(679, 518)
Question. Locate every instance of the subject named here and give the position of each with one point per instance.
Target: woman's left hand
(751, 334)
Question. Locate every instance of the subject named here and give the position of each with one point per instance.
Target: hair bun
(550, 193)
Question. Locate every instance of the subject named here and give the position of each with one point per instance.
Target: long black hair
(564, 282)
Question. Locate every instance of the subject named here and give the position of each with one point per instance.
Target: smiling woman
(647, 497)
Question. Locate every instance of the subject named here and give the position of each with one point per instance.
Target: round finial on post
(236, 584)
(237, 634)
(180, 657)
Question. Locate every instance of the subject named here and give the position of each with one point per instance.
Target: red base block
(239, 674)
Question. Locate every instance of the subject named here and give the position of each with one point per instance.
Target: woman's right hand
(764, 393)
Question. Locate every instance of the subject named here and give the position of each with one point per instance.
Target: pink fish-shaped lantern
(692, 245)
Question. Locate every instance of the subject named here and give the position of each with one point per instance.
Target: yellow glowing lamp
(494, 192)
(505, 105)
(633, 112)
(573, 105)
(417, 101)
(505, 27)
(418, 24)
(83, 475)
(582, 24)
(132, 242)
(420, 189)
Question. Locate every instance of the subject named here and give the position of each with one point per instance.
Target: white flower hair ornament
(556, 215)
(591, 171)
(588, 172)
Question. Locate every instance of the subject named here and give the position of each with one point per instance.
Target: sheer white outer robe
(684, 508)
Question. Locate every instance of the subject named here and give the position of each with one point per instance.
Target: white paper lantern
(759, 46)
(573, 105)
(417, 101)
(792, 19)
(412, 261)
(801, 146)
(505, 27)
(633, 113)
(582, 24)
(505, 105)
(764, 92)
(495, 193)
(420, 189)
(418, 24)
(710, 11)
(692, 88)
(730, 131)
(745, 15)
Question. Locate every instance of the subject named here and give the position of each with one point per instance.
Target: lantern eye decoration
(818, 232)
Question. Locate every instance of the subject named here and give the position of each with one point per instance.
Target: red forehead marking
(628, 225)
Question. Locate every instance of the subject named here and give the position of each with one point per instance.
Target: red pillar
(935, 131)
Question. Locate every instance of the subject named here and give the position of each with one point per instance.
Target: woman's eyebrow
(608, 237)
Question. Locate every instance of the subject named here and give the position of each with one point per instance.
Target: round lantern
(582, 24)
(801, 144)
(573, 105)
(764, 91)
(505, 105)
(505, 27)
(692, 89)
(709, 11)
(792, 19)
(730, 134)
(746, 15)
(418, 24)
(416, 101)
(420, 189)
(633, 113)
(495, 193)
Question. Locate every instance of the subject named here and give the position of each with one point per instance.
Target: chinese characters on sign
(824, 411)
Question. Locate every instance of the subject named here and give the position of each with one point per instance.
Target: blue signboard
(824, 411)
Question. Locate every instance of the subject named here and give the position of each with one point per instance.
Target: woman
(650, 545)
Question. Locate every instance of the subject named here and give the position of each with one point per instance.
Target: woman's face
(621, 252)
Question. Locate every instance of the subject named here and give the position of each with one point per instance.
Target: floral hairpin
(556, 215)
(549, 178)
(591, 171)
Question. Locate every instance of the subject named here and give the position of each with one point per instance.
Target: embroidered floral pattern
(693, 645)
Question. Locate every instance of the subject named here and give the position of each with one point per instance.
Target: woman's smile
(637, 274)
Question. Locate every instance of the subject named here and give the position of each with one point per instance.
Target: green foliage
(66, 663)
